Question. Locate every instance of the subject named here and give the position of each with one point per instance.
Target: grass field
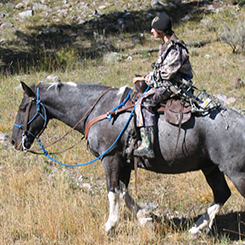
(44, 203)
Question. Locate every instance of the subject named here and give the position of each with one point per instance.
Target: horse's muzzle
(18, 146)
(23, 145)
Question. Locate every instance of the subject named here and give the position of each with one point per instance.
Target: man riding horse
(171, 68)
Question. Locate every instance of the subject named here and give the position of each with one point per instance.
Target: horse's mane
(47, 85)
(56, 85)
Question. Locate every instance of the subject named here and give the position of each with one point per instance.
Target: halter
(24, 127)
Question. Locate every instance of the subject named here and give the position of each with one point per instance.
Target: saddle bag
(177, 112)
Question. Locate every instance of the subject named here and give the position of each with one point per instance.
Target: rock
(149, 206)
(237, 83)
(224, 99)
(63, 13)
(11, 6)
(53, 78)
(4, 138)
(155, 4)
(87, 186)
(120, 21)
(2, 15)
(186, 18)
(207, 56)
(112, 57)
(129, 58)
(36, 6)
(7, 25)
(19, 6)
(26, 14)
(80, 21)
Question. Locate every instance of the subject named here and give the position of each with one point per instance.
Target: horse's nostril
(12, 142)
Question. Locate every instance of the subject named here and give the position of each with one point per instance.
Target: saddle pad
(177, 113)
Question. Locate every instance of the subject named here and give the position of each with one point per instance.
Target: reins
(107, 115)
(35, 151)
(45, 152)
(98, 158)
(102, 155)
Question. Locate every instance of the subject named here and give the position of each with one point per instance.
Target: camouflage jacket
(173, 63)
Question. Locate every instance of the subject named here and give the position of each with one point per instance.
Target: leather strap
(101, 117)
(25, 126)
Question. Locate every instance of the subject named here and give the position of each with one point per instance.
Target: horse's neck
(71, 105)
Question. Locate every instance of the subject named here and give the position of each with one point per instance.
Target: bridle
(27, 122)
(40, 105)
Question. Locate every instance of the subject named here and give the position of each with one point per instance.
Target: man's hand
(136, 79)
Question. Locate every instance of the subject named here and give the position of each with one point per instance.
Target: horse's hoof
(195, 233)
(143, 219)
(111, 227)
(108, 228)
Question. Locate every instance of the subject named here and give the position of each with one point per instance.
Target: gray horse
(213, 143)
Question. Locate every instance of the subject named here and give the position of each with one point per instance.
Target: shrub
(239, 2)
(208, 24)
(234, 36)
(66, 57)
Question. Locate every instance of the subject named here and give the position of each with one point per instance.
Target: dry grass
(42, 203)
(48, 204)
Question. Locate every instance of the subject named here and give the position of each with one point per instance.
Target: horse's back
(202, 140)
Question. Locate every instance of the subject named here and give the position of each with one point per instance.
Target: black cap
(162, 23)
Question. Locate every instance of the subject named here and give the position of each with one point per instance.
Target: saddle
(176, 111)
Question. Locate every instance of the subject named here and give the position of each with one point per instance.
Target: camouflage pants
(145, 115)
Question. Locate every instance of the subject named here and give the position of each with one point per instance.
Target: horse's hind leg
(221, 192)
(138, 212)
(238, 179)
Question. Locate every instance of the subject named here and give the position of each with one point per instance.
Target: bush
(208, 24)
(239, 2)
(234, 36)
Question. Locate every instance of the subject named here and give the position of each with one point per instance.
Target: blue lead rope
(83, 164)
(122, 104)
(99, 157)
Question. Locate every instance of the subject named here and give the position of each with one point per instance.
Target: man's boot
(146, 147)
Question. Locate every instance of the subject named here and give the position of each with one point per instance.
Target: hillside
(108, 42)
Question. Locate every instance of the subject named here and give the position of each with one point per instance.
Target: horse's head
(31, 119)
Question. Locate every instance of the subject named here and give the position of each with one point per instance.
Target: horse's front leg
(112, 167)
(114, 205)
(141, 214)
(117, 177)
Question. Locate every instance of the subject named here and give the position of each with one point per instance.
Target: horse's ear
(28, 91)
